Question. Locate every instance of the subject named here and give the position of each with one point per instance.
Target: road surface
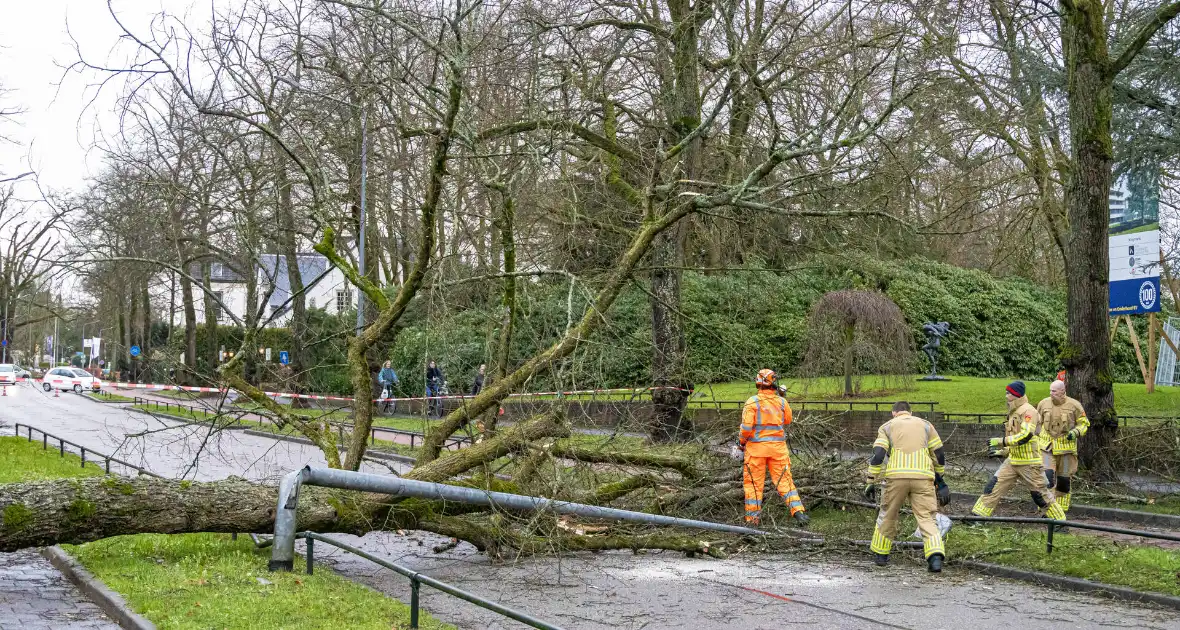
(608, 590)
(652, 591)
(170, 449)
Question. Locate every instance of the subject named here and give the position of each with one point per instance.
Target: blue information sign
(284, 358)
(134, 351)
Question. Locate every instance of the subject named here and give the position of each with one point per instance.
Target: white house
(324, 287)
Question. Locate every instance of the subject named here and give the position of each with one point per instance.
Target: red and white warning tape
(208, 390)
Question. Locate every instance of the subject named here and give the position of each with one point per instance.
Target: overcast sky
(58, 127)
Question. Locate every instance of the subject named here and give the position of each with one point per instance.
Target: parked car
(21, 372)
(66, 378)
(8, 374)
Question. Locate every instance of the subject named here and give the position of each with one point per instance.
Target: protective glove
(1072, 435)
(871, 490)
(996, 443)
(942, 490)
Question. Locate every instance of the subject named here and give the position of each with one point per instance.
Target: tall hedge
(735, 322)
(741, 321)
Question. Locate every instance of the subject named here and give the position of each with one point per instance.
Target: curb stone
(109, 601)
(1077, 585)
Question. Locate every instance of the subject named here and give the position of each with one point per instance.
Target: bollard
(310, 555)
(414, 603)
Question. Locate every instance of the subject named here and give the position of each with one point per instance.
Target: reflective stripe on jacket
(763, 418)
(1020, 433)
(910, 443)
(1058, 420)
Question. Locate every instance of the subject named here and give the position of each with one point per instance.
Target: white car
(65, 378)
(8, 374)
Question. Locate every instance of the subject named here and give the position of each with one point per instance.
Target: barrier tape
(218, 390)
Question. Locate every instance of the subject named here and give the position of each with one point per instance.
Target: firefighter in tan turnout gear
(1022, 443)
(1063, 421)
(916, 462)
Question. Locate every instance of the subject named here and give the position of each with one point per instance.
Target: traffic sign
(3, 342)
(284, 358)
(135, 351)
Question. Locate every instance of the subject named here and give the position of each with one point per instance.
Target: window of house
(341, 300)
(311, 303)
(218, 297)
(217, 270)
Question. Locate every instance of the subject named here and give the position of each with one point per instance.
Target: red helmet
(766, 377)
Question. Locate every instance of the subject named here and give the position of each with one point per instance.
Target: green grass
(1150, 227)
(199, 581)
(22, 460)
(962, 394)
(108, 397)
(188, 414)
(378, 445)
(1141, 567)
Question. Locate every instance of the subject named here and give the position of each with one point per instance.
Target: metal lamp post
(360, 297)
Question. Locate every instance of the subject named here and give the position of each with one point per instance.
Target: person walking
(388, 379)
(914, 473)
(1063, 421)
(434, 384)
(764, 443)
(477, 385)
(1022, 444)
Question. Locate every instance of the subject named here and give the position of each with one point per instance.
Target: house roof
(274, 269)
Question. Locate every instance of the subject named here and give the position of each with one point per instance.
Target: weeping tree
(850, 329)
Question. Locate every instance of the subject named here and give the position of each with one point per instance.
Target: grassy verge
(108, 397)
(225, 419)
(198, 581)
(1141, 567)
(22, 460)
(378, 445)
(963, 394)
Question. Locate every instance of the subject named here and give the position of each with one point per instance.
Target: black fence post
(414, 603)
(1049, 540)
(310, 554)
(61, 444)
(83, 456)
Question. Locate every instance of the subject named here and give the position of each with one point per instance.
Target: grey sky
(57, 129)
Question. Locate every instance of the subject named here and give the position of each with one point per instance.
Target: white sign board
(1135, 244)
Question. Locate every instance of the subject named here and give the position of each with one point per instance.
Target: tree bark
(1087, 353)
(669, 356)
(288, 243)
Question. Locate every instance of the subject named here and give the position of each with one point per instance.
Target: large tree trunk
(506, 226)
(190, 330)
(211, 307)
(288, 243)
(1087, 353)
(669, 356)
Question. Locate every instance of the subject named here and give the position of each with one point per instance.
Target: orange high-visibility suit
(765, 444)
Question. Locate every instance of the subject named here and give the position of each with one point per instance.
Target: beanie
(1016, 388)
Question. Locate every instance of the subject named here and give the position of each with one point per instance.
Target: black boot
(802, 519)
(881, 559)
(934, 563)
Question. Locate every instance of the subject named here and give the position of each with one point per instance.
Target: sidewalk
(36, 596)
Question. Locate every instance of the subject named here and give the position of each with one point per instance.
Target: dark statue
(934, 334)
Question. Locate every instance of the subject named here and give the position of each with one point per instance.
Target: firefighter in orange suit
(764, 443)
